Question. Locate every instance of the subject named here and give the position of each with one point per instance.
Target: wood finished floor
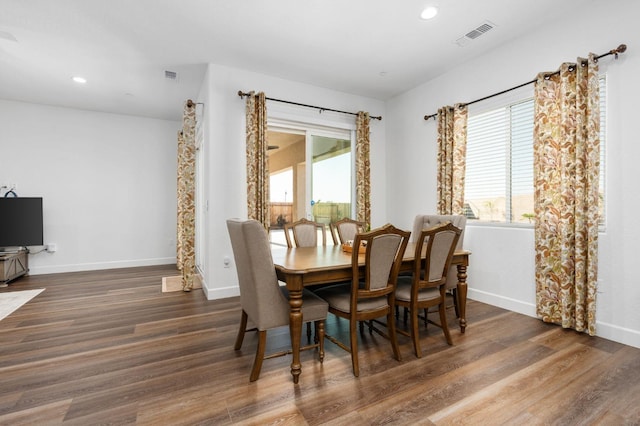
(108, 347)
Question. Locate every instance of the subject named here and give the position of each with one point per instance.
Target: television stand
(13, 265)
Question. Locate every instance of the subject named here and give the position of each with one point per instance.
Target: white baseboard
(220, 293)
(607, 331)
(513, 305)
(618, 334)
(55, 269)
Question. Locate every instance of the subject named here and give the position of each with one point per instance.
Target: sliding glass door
(312, 174)
(330, 177)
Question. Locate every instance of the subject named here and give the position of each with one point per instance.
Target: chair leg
(257, 362)
(415, 332)
(454, 292)
(320, 337)
(308, 332)
(353, 341)
(391, 326)
(443, 322)
(241, 331)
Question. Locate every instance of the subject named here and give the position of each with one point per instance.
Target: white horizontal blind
(521, 197)
(499, 170)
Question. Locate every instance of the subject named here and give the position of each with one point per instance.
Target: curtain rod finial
(621, 49)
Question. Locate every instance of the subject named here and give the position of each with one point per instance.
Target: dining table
(301, 267)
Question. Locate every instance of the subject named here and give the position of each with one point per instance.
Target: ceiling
(373, 48)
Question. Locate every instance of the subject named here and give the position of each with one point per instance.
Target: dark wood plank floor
(108, 347)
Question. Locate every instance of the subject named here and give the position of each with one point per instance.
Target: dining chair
(426, 287)
(305, 233)
(345, 230)
(264, 302)
(426, 221)
(373, 296)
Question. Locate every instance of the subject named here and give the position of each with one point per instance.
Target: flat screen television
(20, 222)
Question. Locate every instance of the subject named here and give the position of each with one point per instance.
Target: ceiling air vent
(171, 75)
(475, 33)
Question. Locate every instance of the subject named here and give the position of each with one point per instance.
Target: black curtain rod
(242, 94)
(622, 48)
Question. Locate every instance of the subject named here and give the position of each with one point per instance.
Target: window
(499, 171)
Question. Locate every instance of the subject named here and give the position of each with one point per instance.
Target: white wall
(226, 182)
(108, 184)
(502, 263)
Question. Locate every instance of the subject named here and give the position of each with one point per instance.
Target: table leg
(461, 294)
(295, 324)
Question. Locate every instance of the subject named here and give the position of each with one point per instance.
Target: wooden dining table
(309, 266)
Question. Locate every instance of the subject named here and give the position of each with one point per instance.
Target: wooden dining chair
(304, 233)
(373, 296)
(345, 230)
(264, 302)
(426, 287)
(426, 221)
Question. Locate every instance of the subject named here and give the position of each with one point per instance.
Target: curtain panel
(257, 160)
(566, 198)
(452, 152)
(363, 169)
(186, 228)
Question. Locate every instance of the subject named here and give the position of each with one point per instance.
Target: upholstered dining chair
(345, 230)
(373, 296)
(426, 221)
(305, 233)
(426, 287)
(264, 302)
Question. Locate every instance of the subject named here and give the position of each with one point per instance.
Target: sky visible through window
(332, 179)
(281, 190)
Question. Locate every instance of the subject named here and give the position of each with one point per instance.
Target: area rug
(12, 300)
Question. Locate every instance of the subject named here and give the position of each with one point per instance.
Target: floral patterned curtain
(363, 179)
(185, 240)
(257, 160)
(566, 176)
(452, 152)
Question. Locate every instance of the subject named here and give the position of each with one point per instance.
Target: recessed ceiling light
(80, 80)
(429, 12)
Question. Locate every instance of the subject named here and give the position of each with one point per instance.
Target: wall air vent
(475, 33)
(171, 75)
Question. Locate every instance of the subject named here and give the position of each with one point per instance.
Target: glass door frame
(331, 130)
